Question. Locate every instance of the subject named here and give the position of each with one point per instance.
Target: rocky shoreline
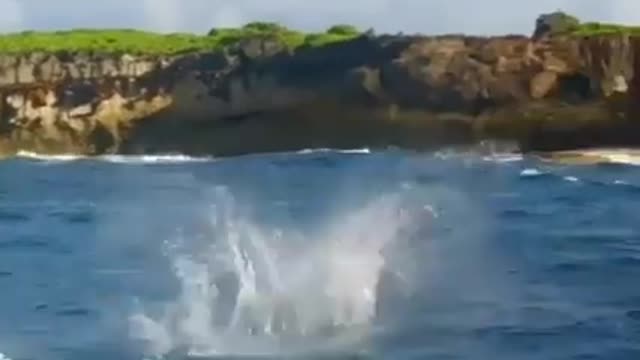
(545, 92)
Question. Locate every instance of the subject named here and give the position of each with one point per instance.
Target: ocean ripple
(73, 312)
(13, 216)
(23, 243)
(634, 315)
(73, 217)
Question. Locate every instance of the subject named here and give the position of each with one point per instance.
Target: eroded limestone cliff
(558, 92)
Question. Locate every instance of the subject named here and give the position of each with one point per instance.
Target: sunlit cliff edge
(275, 90)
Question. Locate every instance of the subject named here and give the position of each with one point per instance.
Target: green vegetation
(143, 42)
(343, 29)
(556, 23)
(336, 33)
(590, 29)
(108, 41)
(264, 27)
(560, 23)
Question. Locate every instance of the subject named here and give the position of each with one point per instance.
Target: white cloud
(11, 16)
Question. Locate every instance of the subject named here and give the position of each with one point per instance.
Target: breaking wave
(621, 156)
(120, 159)
(531, 173)
(153, 159)
(339, 151)
(42, 157)
(258, 291)
(504, 158)
(156, 159)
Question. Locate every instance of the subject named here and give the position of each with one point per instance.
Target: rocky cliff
(546, 93)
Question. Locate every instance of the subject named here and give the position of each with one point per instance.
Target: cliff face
(551, 93)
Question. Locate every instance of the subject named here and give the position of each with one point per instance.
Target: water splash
(257, 290)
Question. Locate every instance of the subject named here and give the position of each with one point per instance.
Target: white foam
(613, 155)
(49, 158)
(531, 172)
(120, 159)
(152, 159)
(571, 178)
(4, 357)
(291, 288)
(356, 151)
(339, 151)
(621, 158)
(620, 182)
(503, 158)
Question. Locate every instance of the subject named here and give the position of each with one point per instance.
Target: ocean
(320, 254)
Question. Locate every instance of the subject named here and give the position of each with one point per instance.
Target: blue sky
(410, 16)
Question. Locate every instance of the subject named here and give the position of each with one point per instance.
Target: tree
(555, 23)
(343, 29)
(260, 26)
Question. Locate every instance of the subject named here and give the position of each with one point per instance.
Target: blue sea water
(319, 254)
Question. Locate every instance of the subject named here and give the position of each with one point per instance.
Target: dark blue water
(483, 259)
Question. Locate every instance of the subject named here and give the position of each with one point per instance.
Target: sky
(482, 17)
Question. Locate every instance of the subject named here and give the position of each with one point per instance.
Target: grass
(144, 42)
(595, 29)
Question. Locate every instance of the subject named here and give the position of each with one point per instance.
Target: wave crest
(339, 151)
(119, 159)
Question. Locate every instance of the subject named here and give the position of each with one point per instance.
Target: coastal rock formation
(75, 103)
(545, 92)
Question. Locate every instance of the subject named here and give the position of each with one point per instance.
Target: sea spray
(256, 290)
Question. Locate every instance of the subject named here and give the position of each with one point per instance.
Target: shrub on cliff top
(143, 42)
(343, 29)
(264, 27)
(591, 29)
(555, 23)
(334, 34)
(322, 39)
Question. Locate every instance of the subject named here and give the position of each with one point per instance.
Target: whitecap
(571, 178)
(120, 159)
(620, 182)
(4, 357)
(43, 157)
(339, 151)
(152, 159)
(503, 158)
(626, 159)
(596, 156)
(311, 151)
(356, 151)
(531, 172)
(432, 210)
(315, 151)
